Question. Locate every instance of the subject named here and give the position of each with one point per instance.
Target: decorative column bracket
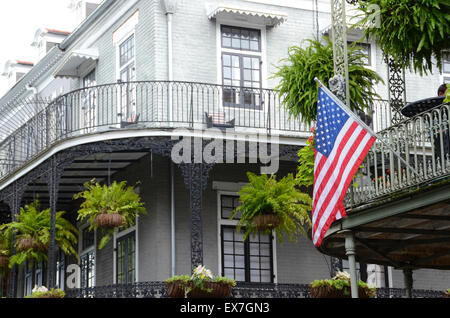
(396, 88)
(196, 180)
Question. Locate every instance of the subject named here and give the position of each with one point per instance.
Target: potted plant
(268, 204)
(447, 293)
(339, 287)
(32, 230)
(43, 292)
(202, 284)
(109, 207)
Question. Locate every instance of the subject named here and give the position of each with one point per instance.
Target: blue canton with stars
(330, 120)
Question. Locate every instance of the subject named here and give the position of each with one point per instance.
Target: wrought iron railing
(150, 104)
(155, 104)
(242, 290)
(424, 144)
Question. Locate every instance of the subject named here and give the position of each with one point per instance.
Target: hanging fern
(114, 199)
(266, 195)
(34, 224)
(299, 90)
(413, 32)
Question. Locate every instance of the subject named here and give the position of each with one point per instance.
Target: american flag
(340, 147)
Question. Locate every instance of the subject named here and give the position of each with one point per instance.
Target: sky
(20, 19)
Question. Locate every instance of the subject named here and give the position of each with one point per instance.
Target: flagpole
(363, 124)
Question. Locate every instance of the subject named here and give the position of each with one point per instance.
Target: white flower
(42, 289)
(202, 272)
(342, 275)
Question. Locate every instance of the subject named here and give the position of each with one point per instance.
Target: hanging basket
(25, 243)
(327, 291)
(4, 261)
(109, 220)
(214, 290)
(265, 222)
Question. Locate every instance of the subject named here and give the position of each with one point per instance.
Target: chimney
(15, 69)
(45, 39)
(83, 8)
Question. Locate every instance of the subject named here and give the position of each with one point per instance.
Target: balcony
(242, 290)
(146, 105)
(155, 105)
(422, 141)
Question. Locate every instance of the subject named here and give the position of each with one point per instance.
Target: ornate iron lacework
(195, 179)
(242, 290)
(396, 86)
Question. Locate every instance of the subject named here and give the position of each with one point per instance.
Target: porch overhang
(410, 231)
(71, 66)
(241, 13)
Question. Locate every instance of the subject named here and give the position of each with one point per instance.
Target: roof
(59, 32)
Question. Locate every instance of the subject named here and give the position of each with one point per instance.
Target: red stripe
(346, 185)
(338, 180)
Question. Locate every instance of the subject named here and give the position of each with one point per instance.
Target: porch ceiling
(83, 169)
(418, 238)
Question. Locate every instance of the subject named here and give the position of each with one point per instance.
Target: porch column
(196, 179)
(14, 199)
(408, 280)
(350, 251)
(53, 184)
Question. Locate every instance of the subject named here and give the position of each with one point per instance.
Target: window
(89, 101)
(126, 259)
(38, 273)
(241, 67)
(127, 73)
(366, 49)
(446, 67)
(245, 261)
(241, 39)
(28, 284)
(87, 258)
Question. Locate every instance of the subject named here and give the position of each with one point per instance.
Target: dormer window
(46, 39)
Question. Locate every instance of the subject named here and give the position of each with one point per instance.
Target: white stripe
(339, 190)
(328, 163)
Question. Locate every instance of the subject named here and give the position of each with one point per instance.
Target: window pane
(248, 77)
(240, 275)
(239, 248)
(226, 60)
(226, 42)
(245, 45)
(226, 32)
(227, 72)
(446, 63)
(126, 51)
(228, 248)
(241, 38)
